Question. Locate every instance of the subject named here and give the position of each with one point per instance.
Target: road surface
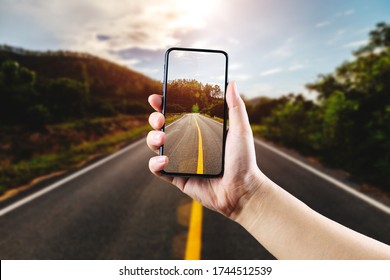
(118, 210)
(194, 140)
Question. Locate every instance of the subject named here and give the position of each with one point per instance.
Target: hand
(288, 228)
(241, 178)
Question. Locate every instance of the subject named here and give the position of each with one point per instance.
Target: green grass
(257, 129)
(170, 118)
(22, 172)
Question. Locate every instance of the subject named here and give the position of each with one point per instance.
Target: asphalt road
(118, 210)
(182, 144)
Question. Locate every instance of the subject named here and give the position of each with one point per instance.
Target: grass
(14, 174)
(170, 118)
(71, 154)
(257, 129)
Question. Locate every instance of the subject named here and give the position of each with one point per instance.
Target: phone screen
(195, 111)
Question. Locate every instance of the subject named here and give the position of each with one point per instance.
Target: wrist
(253, 204)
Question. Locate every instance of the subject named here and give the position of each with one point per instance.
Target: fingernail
(156, 120)
(157, 137)
(161, 159)
(153, 118)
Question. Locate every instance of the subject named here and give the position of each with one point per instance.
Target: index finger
(155, 100)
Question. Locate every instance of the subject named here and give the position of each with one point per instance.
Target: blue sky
(275, 47)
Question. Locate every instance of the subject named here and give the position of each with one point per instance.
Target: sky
(275, 47)
(205, 67)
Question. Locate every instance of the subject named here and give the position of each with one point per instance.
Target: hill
(103, 88)
(60, 110)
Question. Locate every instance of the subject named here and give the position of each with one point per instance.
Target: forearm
(289, 229)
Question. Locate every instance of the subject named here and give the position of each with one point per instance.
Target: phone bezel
(225, 118)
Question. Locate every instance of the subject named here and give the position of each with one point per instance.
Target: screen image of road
(194, 112)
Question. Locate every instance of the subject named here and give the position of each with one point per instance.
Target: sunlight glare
(194, 13)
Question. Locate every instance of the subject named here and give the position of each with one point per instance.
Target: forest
(60, 110)
(39, 88)
(185, 95)
(348, 125)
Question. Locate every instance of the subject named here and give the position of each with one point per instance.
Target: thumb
(238, 117)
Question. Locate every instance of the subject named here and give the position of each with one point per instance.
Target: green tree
(37, 116)
(10, 72)
(294, 123)
(355, 104)
(67, 99)
(379, 38)
(195, 108)
(217, 110)
(17, 92)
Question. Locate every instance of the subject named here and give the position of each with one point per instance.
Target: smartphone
(194, 107)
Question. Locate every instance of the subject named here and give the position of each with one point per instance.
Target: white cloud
(147, 71)
(295, 67)
(356, 44)
(132, 61)
(271, 71)
(345, 13)
(119, 24)
(201, 44)
(336, 37)
(235, 66)
(262, 89)
(364, 30)
(240, 77)
(233, 41)
(219, 78)
(323, 23)
(283, 51)
(276, 70)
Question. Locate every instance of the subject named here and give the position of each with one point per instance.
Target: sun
(195, 13)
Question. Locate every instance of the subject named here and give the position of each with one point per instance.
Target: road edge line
(328, 178)
(59, 183)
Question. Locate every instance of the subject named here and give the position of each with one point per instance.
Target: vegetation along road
(116, 209)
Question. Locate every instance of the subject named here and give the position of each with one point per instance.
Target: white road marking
(51, 187)
(334, 181)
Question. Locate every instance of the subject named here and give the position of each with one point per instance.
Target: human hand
(241, 178)
(284, 225)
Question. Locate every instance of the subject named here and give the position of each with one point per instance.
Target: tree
(217, 110)
(294, 122)
(37, 116)
(195, 108)
(263, 108)
(355, 106)
(17, 92)
(379, 39)
(10, 72)
(67, 99)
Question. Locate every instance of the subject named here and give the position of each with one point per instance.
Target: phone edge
(161, 149)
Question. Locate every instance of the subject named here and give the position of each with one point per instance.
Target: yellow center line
(194, 239)
(199, 170)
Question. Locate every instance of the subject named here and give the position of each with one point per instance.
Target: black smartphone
(194, 107)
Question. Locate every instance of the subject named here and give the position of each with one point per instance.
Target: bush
(37, 116)
(217, 110)
(137, 109)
